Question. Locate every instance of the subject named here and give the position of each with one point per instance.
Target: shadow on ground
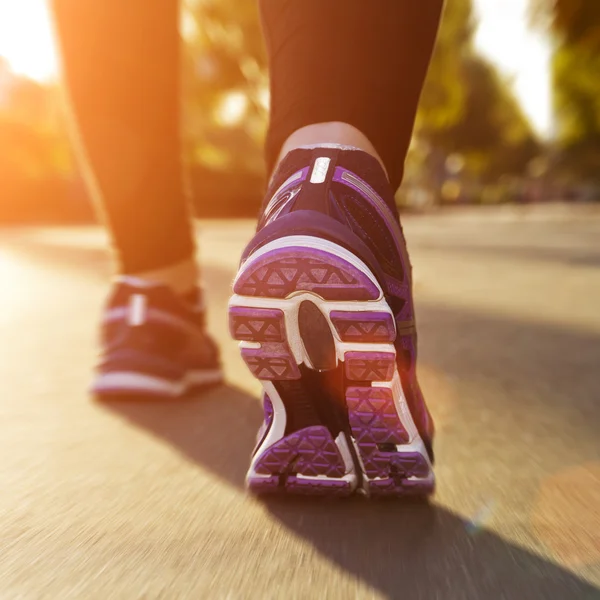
(404, 550)
(424, 552)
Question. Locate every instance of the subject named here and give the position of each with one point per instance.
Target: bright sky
(503, 35)
(26, 38)
(521, 54)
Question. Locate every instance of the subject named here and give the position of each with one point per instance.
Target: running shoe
(322, 308)
(154, 344)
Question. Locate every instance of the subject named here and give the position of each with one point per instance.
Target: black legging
(357, 61)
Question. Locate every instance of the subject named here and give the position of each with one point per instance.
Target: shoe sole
(302, 305)
(140, 385)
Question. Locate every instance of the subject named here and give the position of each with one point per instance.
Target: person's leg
(322, 303)
(357, 62)
(121, 66)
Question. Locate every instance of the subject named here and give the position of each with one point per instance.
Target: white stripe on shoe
(127, 381)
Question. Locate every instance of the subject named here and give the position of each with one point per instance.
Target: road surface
(146, 500)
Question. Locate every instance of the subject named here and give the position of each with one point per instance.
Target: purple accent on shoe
(401, 290)
(298, 177)
(166, 345)
(362, 219)
(272, 361)
(282, 271)
(304, 487)
(309, 222)
(378, 432)
(268, 410)
(406, 352)
(364, 326)
(374, 422)
(289, 203)
(310, 452)
(369, 366)
(407, 360)
(256, 324)
(266, 424)
(401, 487)
(282, 199)
(318, 487)
(351, 180)
(280, 206)
(336, 210)
(410, 464)
(264, 485)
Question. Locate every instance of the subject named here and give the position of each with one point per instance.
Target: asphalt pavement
(146, 499)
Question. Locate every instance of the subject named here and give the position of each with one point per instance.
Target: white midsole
(130, 381)
(290, 308)
(277, 429)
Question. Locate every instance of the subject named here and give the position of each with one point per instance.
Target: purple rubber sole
(281, 272)
(309, 461)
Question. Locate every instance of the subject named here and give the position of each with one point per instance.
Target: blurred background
(510, 111)
(146, 500)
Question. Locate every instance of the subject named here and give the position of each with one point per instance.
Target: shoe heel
(306, 305)
(272, 359)
(308, 461)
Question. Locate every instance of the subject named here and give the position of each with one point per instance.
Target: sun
(26, 40)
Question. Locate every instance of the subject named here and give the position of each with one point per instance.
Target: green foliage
(493, 134)
(577, 93)
(577, 108)
(467, 108)
(576, 69)
(443, 98)
(578, 21)
(224, 59)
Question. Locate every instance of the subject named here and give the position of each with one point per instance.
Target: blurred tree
(468, 108)
(226, 84)
(465, 106)
(443, 98)
(576, 68)
(492, 134)
(579, 21)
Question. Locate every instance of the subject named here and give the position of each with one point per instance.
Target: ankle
(332, 134)
(181, 278)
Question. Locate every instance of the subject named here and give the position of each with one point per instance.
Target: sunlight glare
(504, 35)
(232, 109)
(26, 40)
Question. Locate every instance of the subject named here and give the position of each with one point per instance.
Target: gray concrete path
(146, 500)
